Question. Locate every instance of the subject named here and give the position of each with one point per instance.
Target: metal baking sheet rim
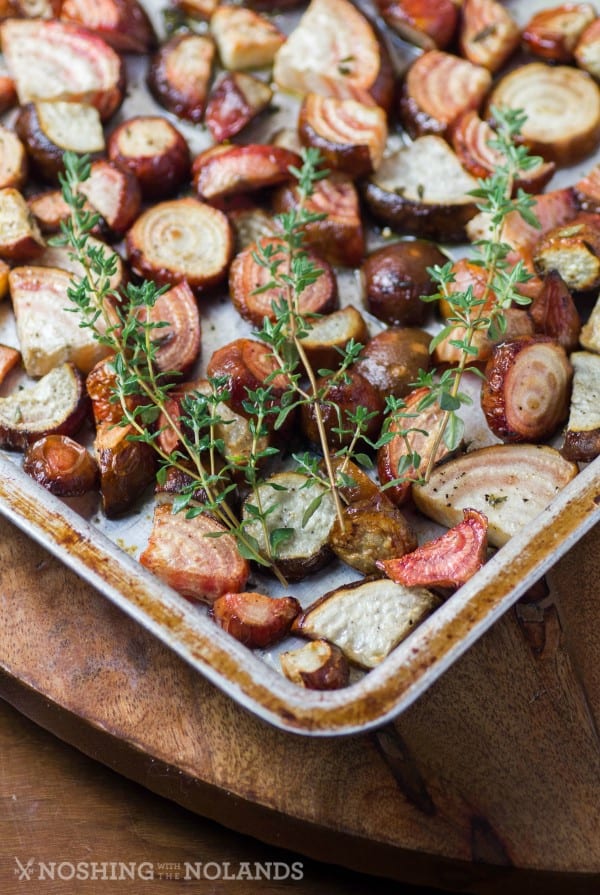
(382, 693)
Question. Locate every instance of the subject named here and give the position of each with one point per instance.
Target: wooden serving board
(491, 779)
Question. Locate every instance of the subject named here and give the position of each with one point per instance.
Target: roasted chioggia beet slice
(573, 251)
(9, 358)
(582, 438)
(13, 160)
(181, 239)
(334, 51)
(154, 151)
(317, 665)
(562, 108)
(246, 275)
(430, 24)
(339, 237)
(123, 24)
(185, 554)
(554, 33)
(254, 619)
(56, 404)
(114, 193)
(343, 396)
(366, 619)
(49, 209)
(488, 33)
(470, 137)
(180, 74)
(52, 60)
(328, 336)
(178, 342)
(225, 170)
(62, 257)
(587, 51)
(412, 434)
(20, 238)
(437, 88)
(61, 465)
(126, 467)
(235, 100)
(250, 225)
(391, 360)
(288, 500)
(350, 136)
(100, 385)
(422, 189)
(245, 39)
(555, 314)
(247, 365)
(447, 561)
(373, 530)
(509, 483)
(526, 391)
(48, 333)
(518, 325)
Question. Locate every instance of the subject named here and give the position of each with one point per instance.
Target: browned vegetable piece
(447, 561)
(49, 209)
(250, 225)
(8, 94)
(245, 39)
(179, 341)
(56, 404)
(573, 250)
(13, 160)
(366, 619)
(235, 100)
(395, 277)
(518, 323)
(525, 395)
(154, 151)
(30, 9)
(587, 191)
(582, 438)
(255, 619)
(71, 64)
(197, 9)
(415, 430)
(114, 193)
(373, 530)
(553, 33)
(554, 313)
(470, 137)
(350, 136)
(391, 360)
(126, 467)
(180, 74)
(510, 483)
(429, 24)
(317, 665)
(20, 239)
(437, 88)
(423, 190)
(9, 358)
(328, 336)
(562, 106)
(247, 364)
(49, 129)
(62, 257)
(246, 275)
(488, 33)
(61, 465)
(123, 24)
(181, 239)
(339, 237)
(587, 51)
(225, 170)
(342, 398)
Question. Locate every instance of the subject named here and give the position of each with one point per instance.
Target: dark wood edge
(275, 828)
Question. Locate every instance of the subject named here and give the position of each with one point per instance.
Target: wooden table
(491, 780)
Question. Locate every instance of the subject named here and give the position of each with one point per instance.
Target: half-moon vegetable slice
(180, 74)
(488, 33)
(553, 33)
(124, 24)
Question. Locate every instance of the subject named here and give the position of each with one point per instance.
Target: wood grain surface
(491, 779)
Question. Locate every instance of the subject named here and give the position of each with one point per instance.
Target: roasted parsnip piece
(351, 136)
(562, 106)
(20, 239)
(317, 665)
(9, 358)
(123, 24)
(334, 51)
(366, 619)
(437, 89)
(391, 360)
(246, 275)
(422, 189)
(49, 129)
(429, 24)
(573, 251)
(488, 33)
(57, 404)
(48, 333)
(508, 483)
(13, 160)
(448, 561)
(255, 619)
(587, 51)
(181, 239)
(180, 74)
(554, 313)
(154, 151)
(61, 465)
(53, 60)
(324, 345)
(554, 33)
(226, 170)
(235, 100)
(582, 438)
(245, 39)
(374, 529)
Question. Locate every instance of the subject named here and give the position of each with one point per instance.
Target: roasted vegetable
(488, 33)
(154, 151)
(124, 24)
(429, 24)
(373, 530)
(180, 74)
(20, 239)
(328, 336)
(13, 160)
(61, 465)
(391, 360)
(225, 170)
(255, 619)
(245, 39)
(342, 397)
(247, 365)
(317, 665)
(115, 194)
(179, 341)
(235, 100)
(554, 313)
(554, 33)
(582, 438)
(573, 251)
(9, 358)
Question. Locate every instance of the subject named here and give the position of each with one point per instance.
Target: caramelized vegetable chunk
(328, 336)
(255, 619)
(317, 665)
(247, 364)
(582, 438)
(13, 160)
(488, 33)
(123, 24)
(373, 530)
(179, 340)
(126, 467)
(554, 312)
(180, 74)
(154, 151)
(587, 51)
(225, 170)
(573, 251)
(245, 39)
(9, 358)
(20, 239)
(235, 100)
(343, 396)
(61, 465)
(429, 24)
(553, 33)
(391, 360)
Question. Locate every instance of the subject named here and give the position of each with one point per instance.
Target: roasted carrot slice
(255, 619)
(123, 24)
(488, 33)
(154, 151)
(429, 24)
(226, 170)
(9, 358)
(180, 74)
(61, 465)
(553, 33)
